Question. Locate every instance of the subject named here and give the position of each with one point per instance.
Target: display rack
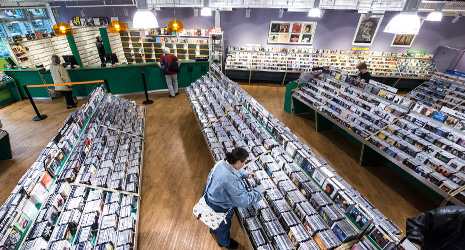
(116, 45)
(85, 43)
(381, 64)
(229, 118)
(137, 49)
(41, 213)
(442, 90)
(39, 51)
(419, 142)
(216, 43)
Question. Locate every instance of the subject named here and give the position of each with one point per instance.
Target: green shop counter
(122, 79)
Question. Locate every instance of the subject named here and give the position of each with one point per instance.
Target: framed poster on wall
(366, 30)
(403, 40)
(291, 32)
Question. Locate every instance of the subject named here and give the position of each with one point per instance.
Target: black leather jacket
(440, 228)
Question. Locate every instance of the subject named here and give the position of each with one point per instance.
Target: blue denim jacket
(227, 190)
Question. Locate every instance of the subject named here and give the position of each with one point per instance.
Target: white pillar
(217, 18)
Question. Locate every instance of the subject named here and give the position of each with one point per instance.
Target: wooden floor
(177, 162)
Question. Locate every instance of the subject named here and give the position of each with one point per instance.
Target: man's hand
(251, 173)
(416, 245)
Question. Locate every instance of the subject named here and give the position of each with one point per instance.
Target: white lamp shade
(314, 12)
(206, 11)
(404, 23)
(434, 16)
(144, 19)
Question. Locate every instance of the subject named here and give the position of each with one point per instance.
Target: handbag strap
(210, 179)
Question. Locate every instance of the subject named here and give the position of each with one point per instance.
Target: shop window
(37, 13)
(42, 25)
(14, 13)
(19, 28)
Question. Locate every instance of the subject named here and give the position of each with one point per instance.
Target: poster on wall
(405, 40)
(291, 32)
(366, 30)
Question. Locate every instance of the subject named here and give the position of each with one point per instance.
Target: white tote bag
(206, 214)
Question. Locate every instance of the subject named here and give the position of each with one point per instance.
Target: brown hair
(55, 60)
(362, 65)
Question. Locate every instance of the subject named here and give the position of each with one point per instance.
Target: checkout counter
(122, 78)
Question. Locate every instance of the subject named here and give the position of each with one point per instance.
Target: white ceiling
(450, 8)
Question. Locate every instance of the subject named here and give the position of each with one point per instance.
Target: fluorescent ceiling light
(144, 19)
(314, 12)
(434, 16)
(206, 11)
(404, 23)
(457, 18)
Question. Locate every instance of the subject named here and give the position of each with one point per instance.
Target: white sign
(453, 112)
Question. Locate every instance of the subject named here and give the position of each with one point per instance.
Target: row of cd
(45, 187)
(245, 107)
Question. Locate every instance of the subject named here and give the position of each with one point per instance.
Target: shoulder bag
(205, 213)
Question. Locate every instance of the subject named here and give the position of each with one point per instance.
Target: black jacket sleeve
(436, 228)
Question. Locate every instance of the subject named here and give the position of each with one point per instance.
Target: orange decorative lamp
(62, 29)
(117, 27)
(175, 26)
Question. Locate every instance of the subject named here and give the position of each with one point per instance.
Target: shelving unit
(39, 51)
(140, 50)
(85, 43)
(297, 60)
(216, 43)
(116, 46)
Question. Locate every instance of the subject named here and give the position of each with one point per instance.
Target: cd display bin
(421, 135)
(307, 204)
(64, 201)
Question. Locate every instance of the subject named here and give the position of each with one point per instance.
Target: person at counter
(170, 76)
(100, 48)
(363, 72)
(60, 75)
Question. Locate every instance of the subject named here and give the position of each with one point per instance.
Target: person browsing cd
(226, 190)
(363, 72)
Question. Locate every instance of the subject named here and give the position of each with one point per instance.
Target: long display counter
(123, 78)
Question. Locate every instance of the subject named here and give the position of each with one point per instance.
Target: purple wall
(334, 31)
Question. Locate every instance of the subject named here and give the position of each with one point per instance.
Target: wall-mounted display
(291, 32)
(366, 30)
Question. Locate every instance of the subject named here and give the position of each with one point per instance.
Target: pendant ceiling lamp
(144, 18)
(62, 29)
(175, 26)
(315, 11)
(117, 27)
(436, 15)
(206, 11)
(407, 22)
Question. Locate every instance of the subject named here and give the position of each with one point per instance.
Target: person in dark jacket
(100, 48)
(442, 228)
(363, 72)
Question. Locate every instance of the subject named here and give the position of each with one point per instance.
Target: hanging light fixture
(3, 14)
(62, 29)
(144, 18)
(436, 15)
(315, 11)
(407, 22)
(206, 11)
(117, 27)
(175, 26)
